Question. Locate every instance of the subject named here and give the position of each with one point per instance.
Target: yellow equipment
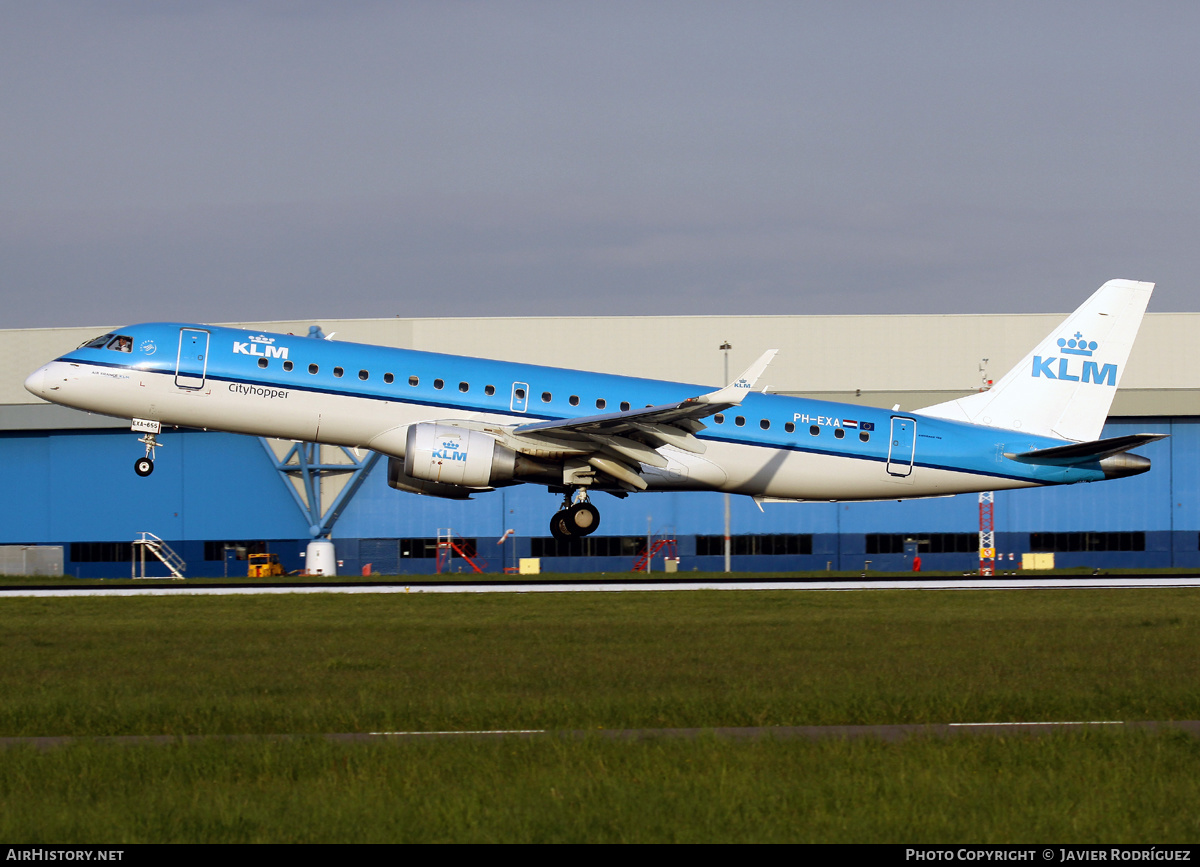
(264, 566)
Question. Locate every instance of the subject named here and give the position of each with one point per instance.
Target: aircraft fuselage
(358, 395)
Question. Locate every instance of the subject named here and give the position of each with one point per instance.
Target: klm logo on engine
(260, 346)
(1067, 368)
(450, 452)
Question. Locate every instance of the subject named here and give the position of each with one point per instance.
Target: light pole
(649, 545)
(725, 347)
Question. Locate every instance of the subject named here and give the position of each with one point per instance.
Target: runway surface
(197, 587)
(890, 733)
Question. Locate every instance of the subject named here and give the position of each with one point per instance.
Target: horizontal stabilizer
(1082, 453)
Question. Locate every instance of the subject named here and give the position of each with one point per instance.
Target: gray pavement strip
(1064, 582)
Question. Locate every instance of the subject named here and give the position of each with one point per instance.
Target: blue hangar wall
(76, 487)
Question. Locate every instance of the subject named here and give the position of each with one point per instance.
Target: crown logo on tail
(1077, 345)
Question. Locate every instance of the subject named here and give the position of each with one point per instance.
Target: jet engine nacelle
(401, 482)
(450, 455)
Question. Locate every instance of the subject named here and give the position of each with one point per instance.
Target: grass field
(1110, 787)
(326, 663)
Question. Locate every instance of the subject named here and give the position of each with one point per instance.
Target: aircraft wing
(637, 433)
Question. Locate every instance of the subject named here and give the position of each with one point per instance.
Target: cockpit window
(121, 343)
(96, 342)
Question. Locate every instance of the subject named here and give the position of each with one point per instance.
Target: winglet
(734, 392)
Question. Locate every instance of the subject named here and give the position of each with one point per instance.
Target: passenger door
(191, 364)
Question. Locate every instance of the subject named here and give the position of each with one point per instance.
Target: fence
(31, 560)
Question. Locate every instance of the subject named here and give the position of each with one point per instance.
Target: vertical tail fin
(1065, 386)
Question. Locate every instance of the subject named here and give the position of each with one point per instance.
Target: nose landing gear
(145, 466)
(576, 518)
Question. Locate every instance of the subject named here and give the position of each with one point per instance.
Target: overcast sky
(216, 161)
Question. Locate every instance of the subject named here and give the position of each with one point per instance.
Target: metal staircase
(161, 550)
(665, 544)
(448, 545)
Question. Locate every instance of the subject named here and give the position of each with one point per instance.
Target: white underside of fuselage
(359, 422)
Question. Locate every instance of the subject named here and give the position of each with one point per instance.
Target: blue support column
(303, 461)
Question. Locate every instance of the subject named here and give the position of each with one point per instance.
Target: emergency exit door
(902, 447)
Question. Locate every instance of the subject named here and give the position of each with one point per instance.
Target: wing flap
(671, 435)
(631, 450)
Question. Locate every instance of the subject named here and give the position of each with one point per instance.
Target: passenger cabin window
(464, 387)
(814, 430)
(439, 383)
(739, 420)
(624, 406)
(601, 403)
(765, 424)
(337, 371)
(864, 436)
(122, 343)
(312, 368)
(388, 378)
(414, 381)
(573, 400)
(789, 427)
(363, 375)
(838, 433)
(489, 390)
(520, 393)
(287, 365)
(546, 397)
(719, 418)
(262, 362)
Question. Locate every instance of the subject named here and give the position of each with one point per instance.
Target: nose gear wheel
(145, 466)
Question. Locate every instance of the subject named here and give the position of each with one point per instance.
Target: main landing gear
(145, 466)
(576, 518)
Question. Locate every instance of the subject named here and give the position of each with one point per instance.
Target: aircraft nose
(36, 383)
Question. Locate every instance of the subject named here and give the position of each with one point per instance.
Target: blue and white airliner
(453, 426)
